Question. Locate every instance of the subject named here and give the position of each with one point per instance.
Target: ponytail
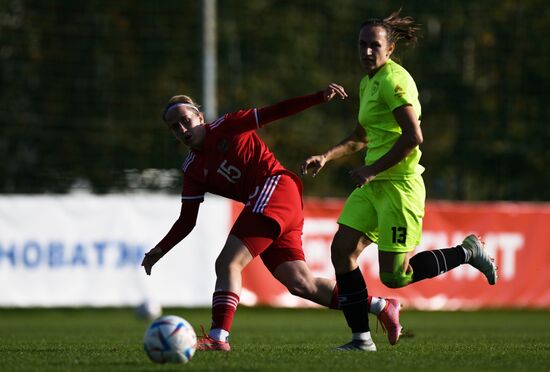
(397, 28)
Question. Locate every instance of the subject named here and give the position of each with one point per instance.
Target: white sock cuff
(363, 336)
(467, 255)
(219, 334)
(377, 304)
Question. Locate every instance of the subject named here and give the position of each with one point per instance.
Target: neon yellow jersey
(391, 87)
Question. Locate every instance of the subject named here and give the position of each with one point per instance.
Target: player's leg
(346, 247)
(400, 233)
(229, 265)
(401, 209)
(398, 270)
(251, 234)
(357, 229)
(300, 281)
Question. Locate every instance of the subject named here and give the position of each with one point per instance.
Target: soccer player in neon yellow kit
(387, 206)
(228, 158)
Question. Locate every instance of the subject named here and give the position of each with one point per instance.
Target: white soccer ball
(149, 310)
(170, 339)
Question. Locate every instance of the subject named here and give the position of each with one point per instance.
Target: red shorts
(278, 238)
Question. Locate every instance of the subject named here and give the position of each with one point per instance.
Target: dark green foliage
(82, 85)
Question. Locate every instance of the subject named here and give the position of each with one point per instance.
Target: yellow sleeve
(395, 91)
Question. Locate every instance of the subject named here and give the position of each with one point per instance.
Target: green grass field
(277, 340)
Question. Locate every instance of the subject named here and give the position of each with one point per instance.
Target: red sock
(334, 302)
(224, 305)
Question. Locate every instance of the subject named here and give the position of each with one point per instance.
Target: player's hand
(315, 163)
(151, 258)
(362, 175)
(333, 90)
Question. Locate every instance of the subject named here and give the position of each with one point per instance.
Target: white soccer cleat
(479, 258)
(358, 345)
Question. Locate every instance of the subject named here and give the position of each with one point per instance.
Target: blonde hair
(179, 100)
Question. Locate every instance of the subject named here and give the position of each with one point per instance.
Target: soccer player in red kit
(227, 158)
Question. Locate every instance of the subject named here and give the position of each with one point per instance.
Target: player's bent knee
(396, 279)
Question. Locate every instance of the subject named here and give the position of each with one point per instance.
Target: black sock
(428, 264)
(352, 294)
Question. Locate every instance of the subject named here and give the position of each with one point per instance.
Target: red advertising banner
(514, 233)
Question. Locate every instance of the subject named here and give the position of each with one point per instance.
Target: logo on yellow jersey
(398, 91)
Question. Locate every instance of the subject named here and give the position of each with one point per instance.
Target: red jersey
(234, 161)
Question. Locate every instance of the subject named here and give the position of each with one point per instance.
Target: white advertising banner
(77, 250)
(86, 250)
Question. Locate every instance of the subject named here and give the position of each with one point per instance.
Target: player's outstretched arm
(295, 105)
(181, 228)
(356, 141)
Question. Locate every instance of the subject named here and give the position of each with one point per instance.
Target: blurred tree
(82, 85)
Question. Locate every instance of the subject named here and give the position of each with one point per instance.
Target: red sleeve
(191, 189)
(237, 122)
(182, 227)
(289, 107)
